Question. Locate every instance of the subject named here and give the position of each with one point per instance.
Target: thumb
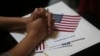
(33, 15)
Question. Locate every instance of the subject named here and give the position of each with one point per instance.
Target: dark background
(20, 8)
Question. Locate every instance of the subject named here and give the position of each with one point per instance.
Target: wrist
(33, 36)
(23, 21)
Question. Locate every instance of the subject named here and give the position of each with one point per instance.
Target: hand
(50, 22)
(39, 24)
(46, 14)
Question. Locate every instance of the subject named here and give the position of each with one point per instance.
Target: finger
(50, 22)
(37, 13)
(33, 15)
(50, 19)
(42, 12)
(51, 28)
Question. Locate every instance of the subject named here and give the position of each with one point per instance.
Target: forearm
(12, 23)
(25, 46)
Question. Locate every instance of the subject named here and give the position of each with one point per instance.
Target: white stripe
(68, 25)
(41, 46)
(74, 17)
(64, 27)
(69, 19)
(66, 22)
(60, 29)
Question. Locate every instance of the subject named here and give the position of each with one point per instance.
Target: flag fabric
(40, 47)
(66, 23)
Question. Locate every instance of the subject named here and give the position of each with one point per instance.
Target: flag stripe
(43, 45)
(62, 27)
(65, 24)
(64, 16)
(68, 25)
(64, 30)
(72, 15)
(40, 46)
(70, 20)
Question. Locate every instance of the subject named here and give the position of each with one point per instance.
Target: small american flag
(66, 23)
(40, 47)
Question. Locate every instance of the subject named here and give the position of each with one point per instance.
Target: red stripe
(62, 27)
(43, 45)
(40, 46)
(69, 22)
(68, 25)
(37, 47)
(72, 15)
(65, 24)
(64, 30)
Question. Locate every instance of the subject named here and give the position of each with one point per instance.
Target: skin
(12, 23)
(38, 26)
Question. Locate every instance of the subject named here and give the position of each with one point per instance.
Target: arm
(37, 30)
(12, 23)
(25, 46)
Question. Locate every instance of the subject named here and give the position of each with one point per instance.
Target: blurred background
(89, 9)
(74, 4)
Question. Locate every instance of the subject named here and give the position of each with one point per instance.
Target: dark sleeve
(6, 41)
(5, 54)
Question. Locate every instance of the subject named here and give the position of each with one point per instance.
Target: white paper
(62, 37)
